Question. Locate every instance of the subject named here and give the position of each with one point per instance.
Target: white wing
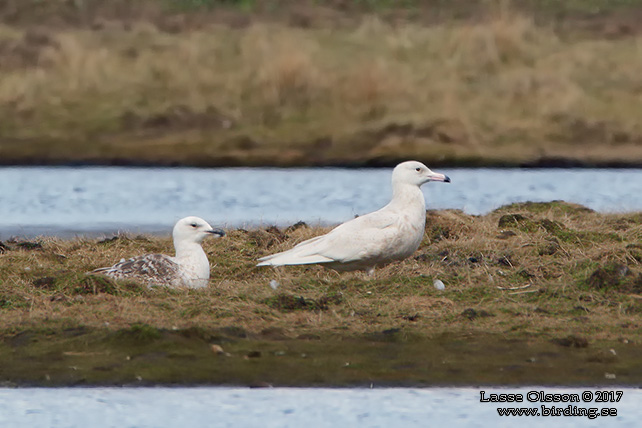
(362, 238)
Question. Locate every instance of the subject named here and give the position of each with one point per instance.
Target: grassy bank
(534, 293)
(273, 83)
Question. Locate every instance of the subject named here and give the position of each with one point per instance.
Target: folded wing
(152, 268)
(358, 239)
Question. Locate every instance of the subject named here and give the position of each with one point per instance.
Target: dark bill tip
(219, 232)
(446, 179)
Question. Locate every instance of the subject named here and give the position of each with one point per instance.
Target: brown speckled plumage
(155, 269)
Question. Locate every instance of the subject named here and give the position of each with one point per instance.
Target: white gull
(392, 233)
(189, 268)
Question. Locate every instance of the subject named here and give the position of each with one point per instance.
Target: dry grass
(500, 90)
(557, 270)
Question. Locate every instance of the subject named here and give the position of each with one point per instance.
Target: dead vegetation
(137, 82)
(554, 269)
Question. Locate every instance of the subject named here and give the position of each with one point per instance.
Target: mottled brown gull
(392, 233)
(189, 268)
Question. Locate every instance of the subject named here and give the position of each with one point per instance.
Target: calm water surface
(305, 407)
(70, 200)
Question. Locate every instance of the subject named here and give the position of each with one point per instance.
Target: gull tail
(305, 253)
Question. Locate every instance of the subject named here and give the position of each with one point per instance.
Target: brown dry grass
(557, 270)
(499, 90)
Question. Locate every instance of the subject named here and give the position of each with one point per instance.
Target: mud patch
(473, 314)
(288, 302)
(572, 342)
(615, 276)
(144, 355)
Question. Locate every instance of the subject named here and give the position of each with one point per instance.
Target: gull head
(194, 229)
(413, 172)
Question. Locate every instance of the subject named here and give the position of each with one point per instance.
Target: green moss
(8, 301)
(554, 207)
(552, 227)
(517, 221)
(615, 276)
(550, 247)
(635, 251)
(139, 334)
(583, 237)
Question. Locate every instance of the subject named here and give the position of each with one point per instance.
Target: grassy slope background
(546, 293)
(208, 83)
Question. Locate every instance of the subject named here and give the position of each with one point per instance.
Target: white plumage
(392, 233)
(189, 268)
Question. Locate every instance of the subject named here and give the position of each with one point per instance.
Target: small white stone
(274, 284)
(438, 284)
(609, 375)
(612, 351)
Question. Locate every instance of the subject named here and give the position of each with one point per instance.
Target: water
(69, 200)
(282, 407)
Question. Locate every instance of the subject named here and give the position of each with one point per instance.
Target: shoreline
(544, 163)
(143, 356)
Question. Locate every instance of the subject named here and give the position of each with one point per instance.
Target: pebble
(274, 284)
(218, 349)
(438, 284)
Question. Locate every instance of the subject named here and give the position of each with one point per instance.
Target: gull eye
(194, 225)
(418, 169)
